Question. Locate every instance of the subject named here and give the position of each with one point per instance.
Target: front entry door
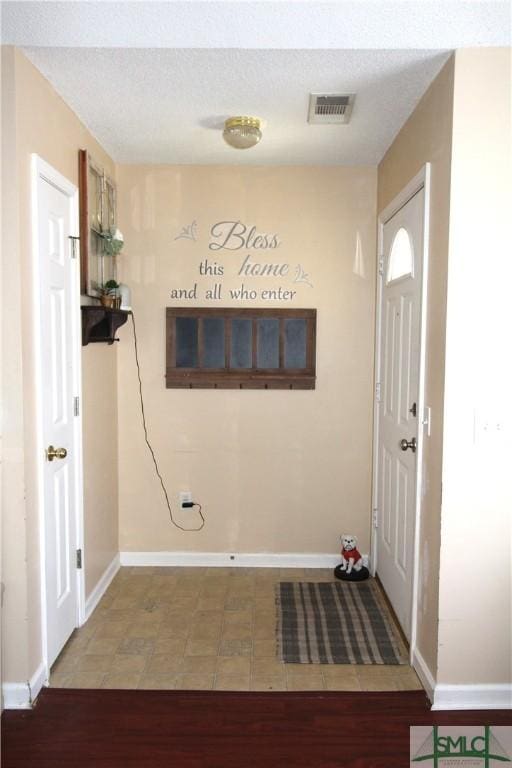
(57, 272)
(401, 267)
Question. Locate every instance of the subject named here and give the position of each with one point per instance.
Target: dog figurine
(350, 556)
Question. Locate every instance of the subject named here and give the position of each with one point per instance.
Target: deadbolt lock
(55, 453)
(405, 444)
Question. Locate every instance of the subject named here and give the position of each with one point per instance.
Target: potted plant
(109, 294)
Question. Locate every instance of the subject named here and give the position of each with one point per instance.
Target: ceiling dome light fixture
(242, 132)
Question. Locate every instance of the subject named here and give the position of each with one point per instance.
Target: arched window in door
(400, 262)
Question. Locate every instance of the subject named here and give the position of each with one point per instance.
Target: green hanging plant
(113, 241)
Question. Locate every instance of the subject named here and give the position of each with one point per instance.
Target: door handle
(55, 453)
(405, 444)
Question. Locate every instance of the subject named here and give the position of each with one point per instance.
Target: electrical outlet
(185, 498)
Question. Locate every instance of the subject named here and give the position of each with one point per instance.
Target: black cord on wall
(146, 438)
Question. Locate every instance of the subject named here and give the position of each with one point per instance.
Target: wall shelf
(100, 324)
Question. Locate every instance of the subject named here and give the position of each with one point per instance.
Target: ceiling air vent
(330, 107)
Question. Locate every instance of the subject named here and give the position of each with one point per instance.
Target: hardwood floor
(179, 729)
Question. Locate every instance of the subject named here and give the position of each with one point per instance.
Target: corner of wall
(477, 494)
(427, 137)
(56, 136)
(14, 534)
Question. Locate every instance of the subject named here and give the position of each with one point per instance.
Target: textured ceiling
(154, 81)
(168, 106)
(285, 24)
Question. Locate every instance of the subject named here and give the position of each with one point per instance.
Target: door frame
(40, 169)
(420, 181)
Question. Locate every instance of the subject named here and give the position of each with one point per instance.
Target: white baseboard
(21, 695)
(424, 673)
(16, 696)
(101, 587)
(38, 679)
(472, 696)
(230, 559)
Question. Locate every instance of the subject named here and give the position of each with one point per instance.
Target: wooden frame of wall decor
(97, 213)
(240, 348)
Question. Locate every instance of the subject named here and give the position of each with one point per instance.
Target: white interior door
(57, 281)
(400, 308)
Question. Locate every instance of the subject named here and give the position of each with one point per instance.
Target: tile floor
(202, 629)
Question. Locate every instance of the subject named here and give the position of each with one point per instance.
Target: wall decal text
(229, 238)
(234, 235)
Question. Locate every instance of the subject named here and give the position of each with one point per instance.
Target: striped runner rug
(335, 623)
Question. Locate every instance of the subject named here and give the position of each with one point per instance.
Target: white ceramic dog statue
(350, 556)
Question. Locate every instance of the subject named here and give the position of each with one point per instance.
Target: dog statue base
(360, 575)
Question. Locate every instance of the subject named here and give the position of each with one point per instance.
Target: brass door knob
(55, 453)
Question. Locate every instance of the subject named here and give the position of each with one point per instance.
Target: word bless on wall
(254, 263)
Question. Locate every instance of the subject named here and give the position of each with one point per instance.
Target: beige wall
(13, 524)
(42, 123)
(275, 471)
(426, 137)
(475, 592)
(99, 400)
